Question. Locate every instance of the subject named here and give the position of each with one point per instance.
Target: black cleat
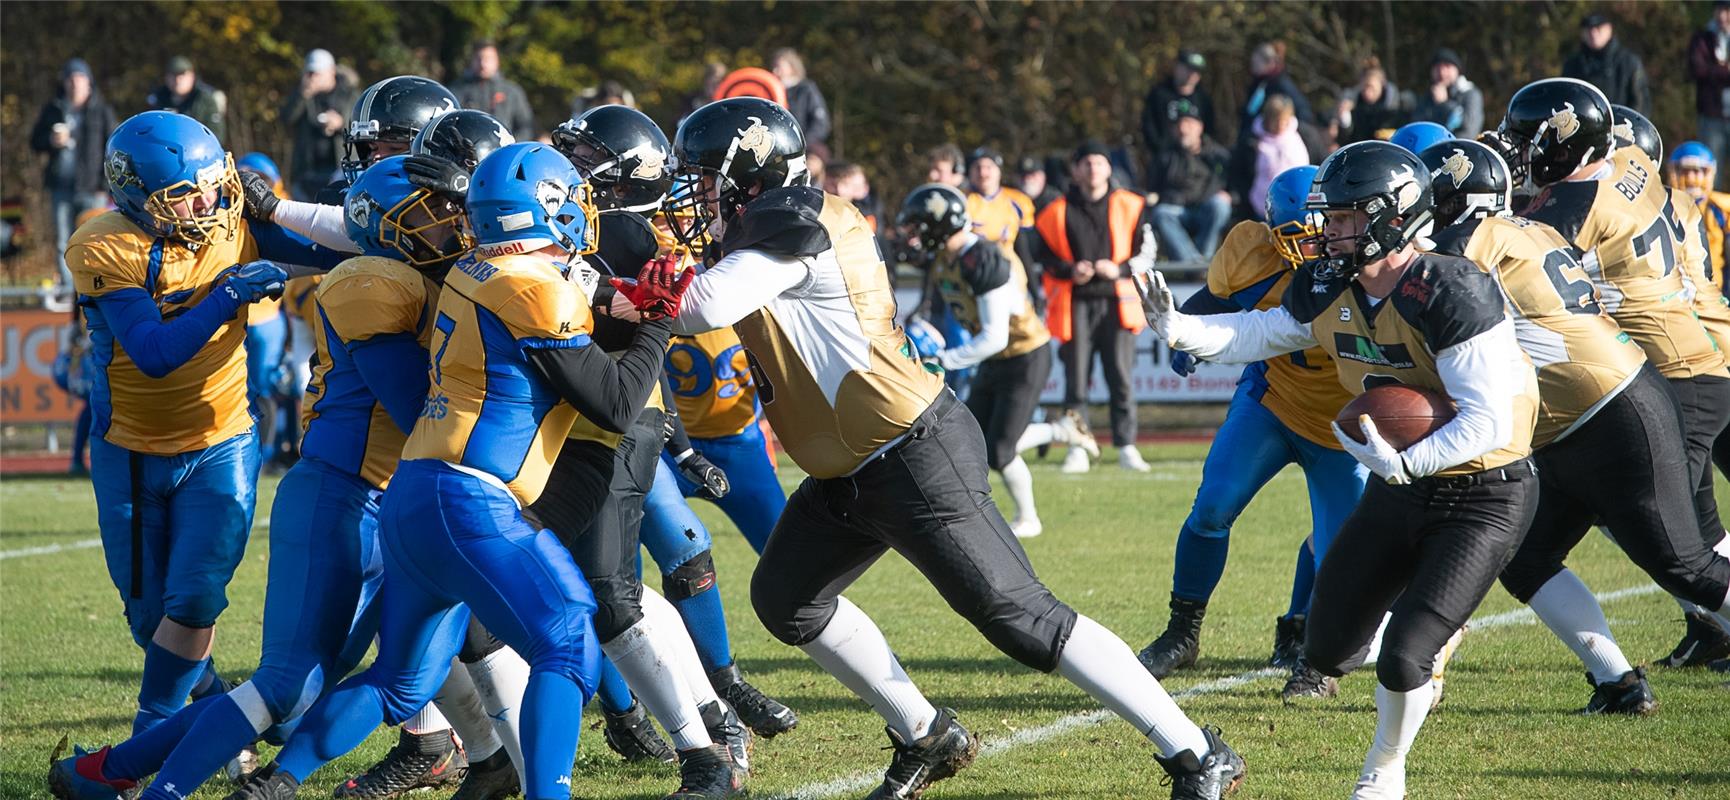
(1702, 642)
(632, 736)
(267, 784)
(1210, 778)
(418, 760)
(1288, 641)
(947, 748)
(726, 730)
(763, 714)
(1179, 645)
(706, 773)
(1628, 695)
(491, 778)
(1307, 682)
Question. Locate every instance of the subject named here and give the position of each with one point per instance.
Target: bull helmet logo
(757, 141)
(1565, 122)
(1457, 167)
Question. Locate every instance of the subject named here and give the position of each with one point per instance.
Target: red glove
(658, 289)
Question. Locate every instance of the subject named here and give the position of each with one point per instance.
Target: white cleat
(241, 767)
(1072, 430)
(1076, 462)
(1382, 784)
(1438, 675)
(1026, 528)
(1129, 458)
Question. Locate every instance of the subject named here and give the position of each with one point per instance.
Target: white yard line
(858, 782)
(84, 544)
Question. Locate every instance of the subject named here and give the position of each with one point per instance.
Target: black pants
(594, 504)
(1624, 466)
(1429, 551)
(1721, 452)
(1097, 329)
(1704, 401)
(929, 500)
(1005, 393)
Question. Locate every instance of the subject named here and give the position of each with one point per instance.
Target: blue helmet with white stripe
(169, 175)
(526, 196)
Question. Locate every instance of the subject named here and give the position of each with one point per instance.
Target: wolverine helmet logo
(1457, 167)
(757, 141)
(1565, 121)
(359, 208)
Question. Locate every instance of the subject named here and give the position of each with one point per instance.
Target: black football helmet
(931, 214)
(462, 137)
(729, 151)
(1555, 126)
(1387, 183)
(1467, 179)
(1633, 129)
(622, 153)
(392, 110)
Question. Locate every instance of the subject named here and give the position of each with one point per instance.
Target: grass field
(1508, 728)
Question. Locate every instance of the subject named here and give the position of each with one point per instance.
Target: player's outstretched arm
(606, 392)
(995, 308)
(736, 286)
(159, 347)
(290, 249)
(1238, 338)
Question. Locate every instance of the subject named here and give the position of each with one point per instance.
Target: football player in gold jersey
(1389, 314)
(895, 461)
(1608, 438)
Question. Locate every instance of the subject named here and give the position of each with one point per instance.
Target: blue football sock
(142, 755)
(1303, 579)
(336, 724)
(707, 625)
(168, 681)
(209, 682)
(549, 731)
(1200, 563)
(220, 733)
(614, 694)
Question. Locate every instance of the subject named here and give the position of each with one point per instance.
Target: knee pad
(690, 579)
(1328, 660)
(1210, 517)
(1035, 640)
(478, 643)
(1401, 671)
(618, 604)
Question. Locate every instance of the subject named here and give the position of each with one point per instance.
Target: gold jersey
(1625, 225)
(1439, 301)
(837, 376)
(1000, 217)
(1582, 356)
(960, 279)
(711, 380)
(1709, 303)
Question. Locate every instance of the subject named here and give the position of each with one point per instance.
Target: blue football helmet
(261, 164)
(1290, 222)
(390, 217)
(526, 196)
(171, 177)
(1420, 136)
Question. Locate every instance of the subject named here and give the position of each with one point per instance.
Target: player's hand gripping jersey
(961, 279)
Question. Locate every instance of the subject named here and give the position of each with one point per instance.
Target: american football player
(1390, 314)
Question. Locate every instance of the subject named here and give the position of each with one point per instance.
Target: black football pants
(1704, 402)
(1005, 393)
(1097, 329)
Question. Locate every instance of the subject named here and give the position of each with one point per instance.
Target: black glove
(711, 481)
(260, 197)
(440, 175)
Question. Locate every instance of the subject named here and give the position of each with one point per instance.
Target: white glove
(1157, 303)
(1375, 452)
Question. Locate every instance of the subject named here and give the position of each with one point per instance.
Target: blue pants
(756, 498)
(1191, 233)
(454, 542)
(264, 344)
(174, 527)
(1250, 448)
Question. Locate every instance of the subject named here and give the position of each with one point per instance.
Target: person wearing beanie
(72, 130)
(182, 91)
(1451, 101)
(1603, 62)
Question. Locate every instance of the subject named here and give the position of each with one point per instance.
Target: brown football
(1403, 414)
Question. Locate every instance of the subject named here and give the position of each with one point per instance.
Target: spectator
(1373, 108)
(1274, 146)
(1452, 101)
(1267, 65)
(183, 92)
(804, 99)
(73, 130)
(1089, 235)
(486, 88)
(999, 213)
(713, 72)
(606, 93)
(847, 181)
(817, 171)
(317, 113)
(1187, 184)
(1709, 68)
(1030, 178)
(1603, 62)
(1180, 90)
(943, 165)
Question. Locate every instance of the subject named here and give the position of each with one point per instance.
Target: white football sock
(1723, 546)
(459, 703)
(852, 649)
(427, 720)
(1037, 433)
(657, 681)
(501, 677)
(667, 623)
(1376, 640)
(1096, 660)
(1570, 611)
(1399, 715)
(1018, 479)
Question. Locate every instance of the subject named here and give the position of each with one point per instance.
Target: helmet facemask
(200, 211)
(429, 230)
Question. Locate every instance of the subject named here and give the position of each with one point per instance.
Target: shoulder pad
(1453, 239)
(1307, 298)
(984, 266)
(1448, 299)
(783, 222)
(1566, 207)
(108, 253)
(368, 296)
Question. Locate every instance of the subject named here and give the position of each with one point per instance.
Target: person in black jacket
(73, 130)
(1603, 62)
(484, 87)
(1267, 65)
(1182, 88)
(317, 112)
(1187, 181)
(1374, 108)
(181, 91)
(804, 99)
